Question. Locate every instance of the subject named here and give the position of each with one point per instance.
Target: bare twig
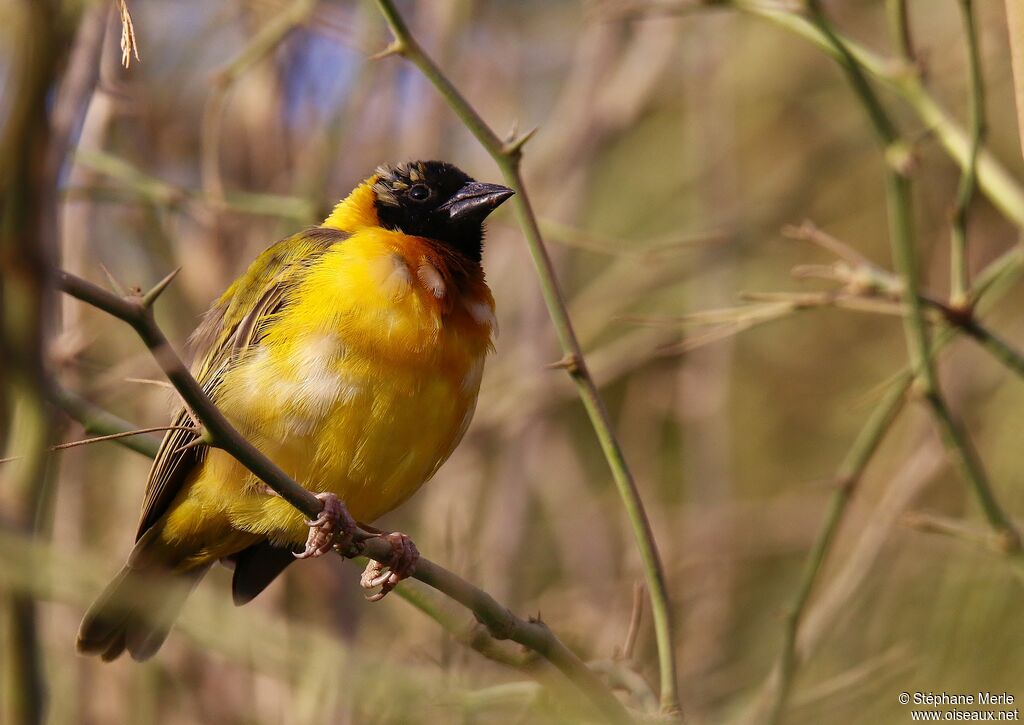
(97, 420)
(862, 280)
(108, 437)
(635, 619)
(507, 154)
(996, 345)
(472, 634)
(808, 231)
(934, 524)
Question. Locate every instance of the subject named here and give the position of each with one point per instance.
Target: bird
(351, 354)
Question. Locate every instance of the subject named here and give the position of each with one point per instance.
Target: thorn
(203, 439)
(920, 389)
(901, 158)
(570, 362)
(114, 284)
(1008, 541)
(514, 146)
(220, 80)
(395, 47)
(191, 444)
(513, 131)
(149, 381)
(150, 297)
(959, 311)
(846, 483)
(819, 271)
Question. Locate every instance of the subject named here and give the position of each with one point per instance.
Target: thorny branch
(218, 432)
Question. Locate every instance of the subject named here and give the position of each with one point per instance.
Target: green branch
(97, 421)
(959, 273)
(508, 155)
(996, 346)
(160, 193)
(848, 476)
(1003, 190)
(899, 24)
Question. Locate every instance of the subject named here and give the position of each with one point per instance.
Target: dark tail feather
(104, 628)
(128, 615)
(255, 568)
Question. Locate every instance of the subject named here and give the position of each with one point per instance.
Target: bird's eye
(419, 192)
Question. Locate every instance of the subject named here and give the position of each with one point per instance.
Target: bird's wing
(236, 322)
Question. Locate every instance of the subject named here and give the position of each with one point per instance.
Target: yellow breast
(366, 383)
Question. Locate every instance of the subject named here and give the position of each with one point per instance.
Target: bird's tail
(136, 611)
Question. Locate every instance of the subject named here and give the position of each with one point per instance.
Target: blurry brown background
(671, 151)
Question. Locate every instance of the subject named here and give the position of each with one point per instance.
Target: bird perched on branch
(351, 354)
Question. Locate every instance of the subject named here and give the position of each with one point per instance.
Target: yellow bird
(351, 354)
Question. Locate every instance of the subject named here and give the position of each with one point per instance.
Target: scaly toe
(400, 565)
(333, 524)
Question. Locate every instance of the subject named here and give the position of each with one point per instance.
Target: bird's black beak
(475, 200)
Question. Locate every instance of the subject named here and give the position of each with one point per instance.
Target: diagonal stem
(969, 178)
(996, 345)
(849, 474)
(899, 24)
(508, 155)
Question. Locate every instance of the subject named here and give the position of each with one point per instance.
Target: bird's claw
(334, 527)
(400, 565)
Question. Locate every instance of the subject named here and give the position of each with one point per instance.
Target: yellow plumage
(362, 387)
(351, 354)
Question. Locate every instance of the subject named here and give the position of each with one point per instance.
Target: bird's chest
(373, 376)
(326, 382)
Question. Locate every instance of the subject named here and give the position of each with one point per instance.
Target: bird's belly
(376, 448)
(369, 431)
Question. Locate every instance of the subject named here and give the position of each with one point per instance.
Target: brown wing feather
(236, 322)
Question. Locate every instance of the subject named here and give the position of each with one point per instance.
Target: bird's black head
(438, 201)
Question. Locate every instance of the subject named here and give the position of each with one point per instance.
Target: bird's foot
(400, 565)
(334, 527)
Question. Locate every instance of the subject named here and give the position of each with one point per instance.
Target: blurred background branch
(34, 35)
